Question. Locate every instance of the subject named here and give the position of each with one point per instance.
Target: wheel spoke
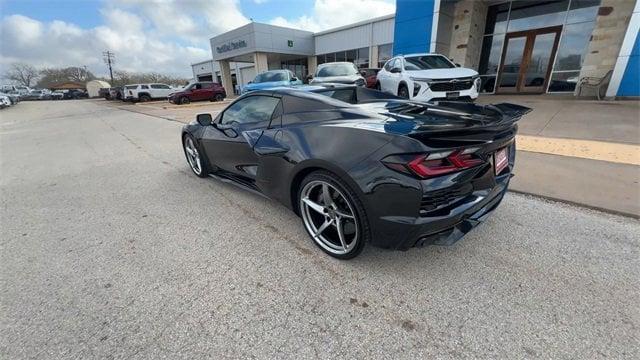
(341, 234)
(323, 227)
(343, 214)
(189, 150)
(326, 195)
(313, 205)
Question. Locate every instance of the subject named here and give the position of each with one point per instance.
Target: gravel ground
(111, 248)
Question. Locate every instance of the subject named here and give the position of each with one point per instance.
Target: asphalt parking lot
(111, 248)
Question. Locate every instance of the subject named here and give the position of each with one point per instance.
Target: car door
(384, 76)
(229, 141)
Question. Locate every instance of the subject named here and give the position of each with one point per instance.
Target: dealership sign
(231, 45)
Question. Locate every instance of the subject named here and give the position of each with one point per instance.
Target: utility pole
(109, 59)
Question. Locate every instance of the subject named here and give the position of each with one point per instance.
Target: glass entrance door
(526, 60)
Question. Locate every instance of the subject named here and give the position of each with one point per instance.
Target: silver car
(338, 73)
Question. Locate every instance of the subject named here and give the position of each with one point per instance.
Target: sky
(163, 36)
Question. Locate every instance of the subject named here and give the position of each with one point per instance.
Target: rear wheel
(403, 92)
(333, 215)
(145, 98)
(198, 164)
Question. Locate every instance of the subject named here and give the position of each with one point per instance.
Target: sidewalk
(579, 151)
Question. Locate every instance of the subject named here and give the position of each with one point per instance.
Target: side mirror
(294, 79)
(204, 119)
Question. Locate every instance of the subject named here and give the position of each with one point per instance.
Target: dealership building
(533, 47)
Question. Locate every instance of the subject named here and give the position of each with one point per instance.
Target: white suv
(146, 92)
(426, 77)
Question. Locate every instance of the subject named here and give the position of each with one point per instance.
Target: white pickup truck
(146, 92)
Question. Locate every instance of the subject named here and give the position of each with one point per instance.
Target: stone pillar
(225, 74)
(260, 62)
(468, 29)
(606, 39)
(312, 65)
(373, 56)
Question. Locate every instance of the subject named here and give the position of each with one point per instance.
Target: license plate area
(500, 160)
(453, 94)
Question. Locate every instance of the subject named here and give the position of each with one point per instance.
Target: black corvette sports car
(359, 166)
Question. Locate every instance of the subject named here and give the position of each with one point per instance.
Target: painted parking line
(586, 149)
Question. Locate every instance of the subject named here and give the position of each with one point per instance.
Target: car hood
(348, 79)
(442, 73)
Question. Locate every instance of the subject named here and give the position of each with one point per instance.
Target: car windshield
(270, 76)
(337, 70)
(427, 62)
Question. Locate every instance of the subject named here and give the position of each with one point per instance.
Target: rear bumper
(446, 229)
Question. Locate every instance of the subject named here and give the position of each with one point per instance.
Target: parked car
(197, 92)
(74, 94)
(426, 77)
(370, 77)
(272, 78)
(20, 89)
(116, 93)
(373, 169)
(58, 95)
(338, 73)
(36, 94)
(104, 93)
(147, 92)
(13, 97)
(4, 101)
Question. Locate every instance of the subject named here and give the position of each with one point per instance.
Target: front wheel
(333, 215)
(196, 161)
(184, 100)
(403, 92)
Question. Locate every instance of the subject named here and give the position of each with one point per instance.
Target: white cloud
(155, 35)
(328, 14)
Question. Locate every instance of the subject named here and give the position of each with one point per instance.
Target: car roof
(420, 54)
(336, 63)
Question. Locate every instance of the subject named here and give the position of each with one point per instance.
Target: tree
(23, 74)
(52, 77)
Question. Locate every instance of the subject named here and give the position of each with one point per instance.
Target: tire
(218, 97)
(345, 209)
(144, 98)
(403, 91)
(184, 100)
(189, 144)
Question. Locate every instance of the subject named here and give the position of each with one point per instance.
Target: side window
(197, 87)
(389, 64)
(144, 87)
(159, 86)
(253, 109)
(207, 86)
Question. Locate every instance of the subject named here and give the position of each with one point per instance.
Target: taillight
(438, 163)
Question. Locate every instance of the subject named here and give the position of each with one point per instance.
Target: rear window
(337, 70)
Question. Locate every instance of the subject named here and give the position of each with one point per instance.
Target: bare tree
(51, 77)
(23, 74)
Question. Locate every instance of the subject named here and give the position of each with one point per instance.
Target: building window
(384, 54)
(360, 57)
(577, 18)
